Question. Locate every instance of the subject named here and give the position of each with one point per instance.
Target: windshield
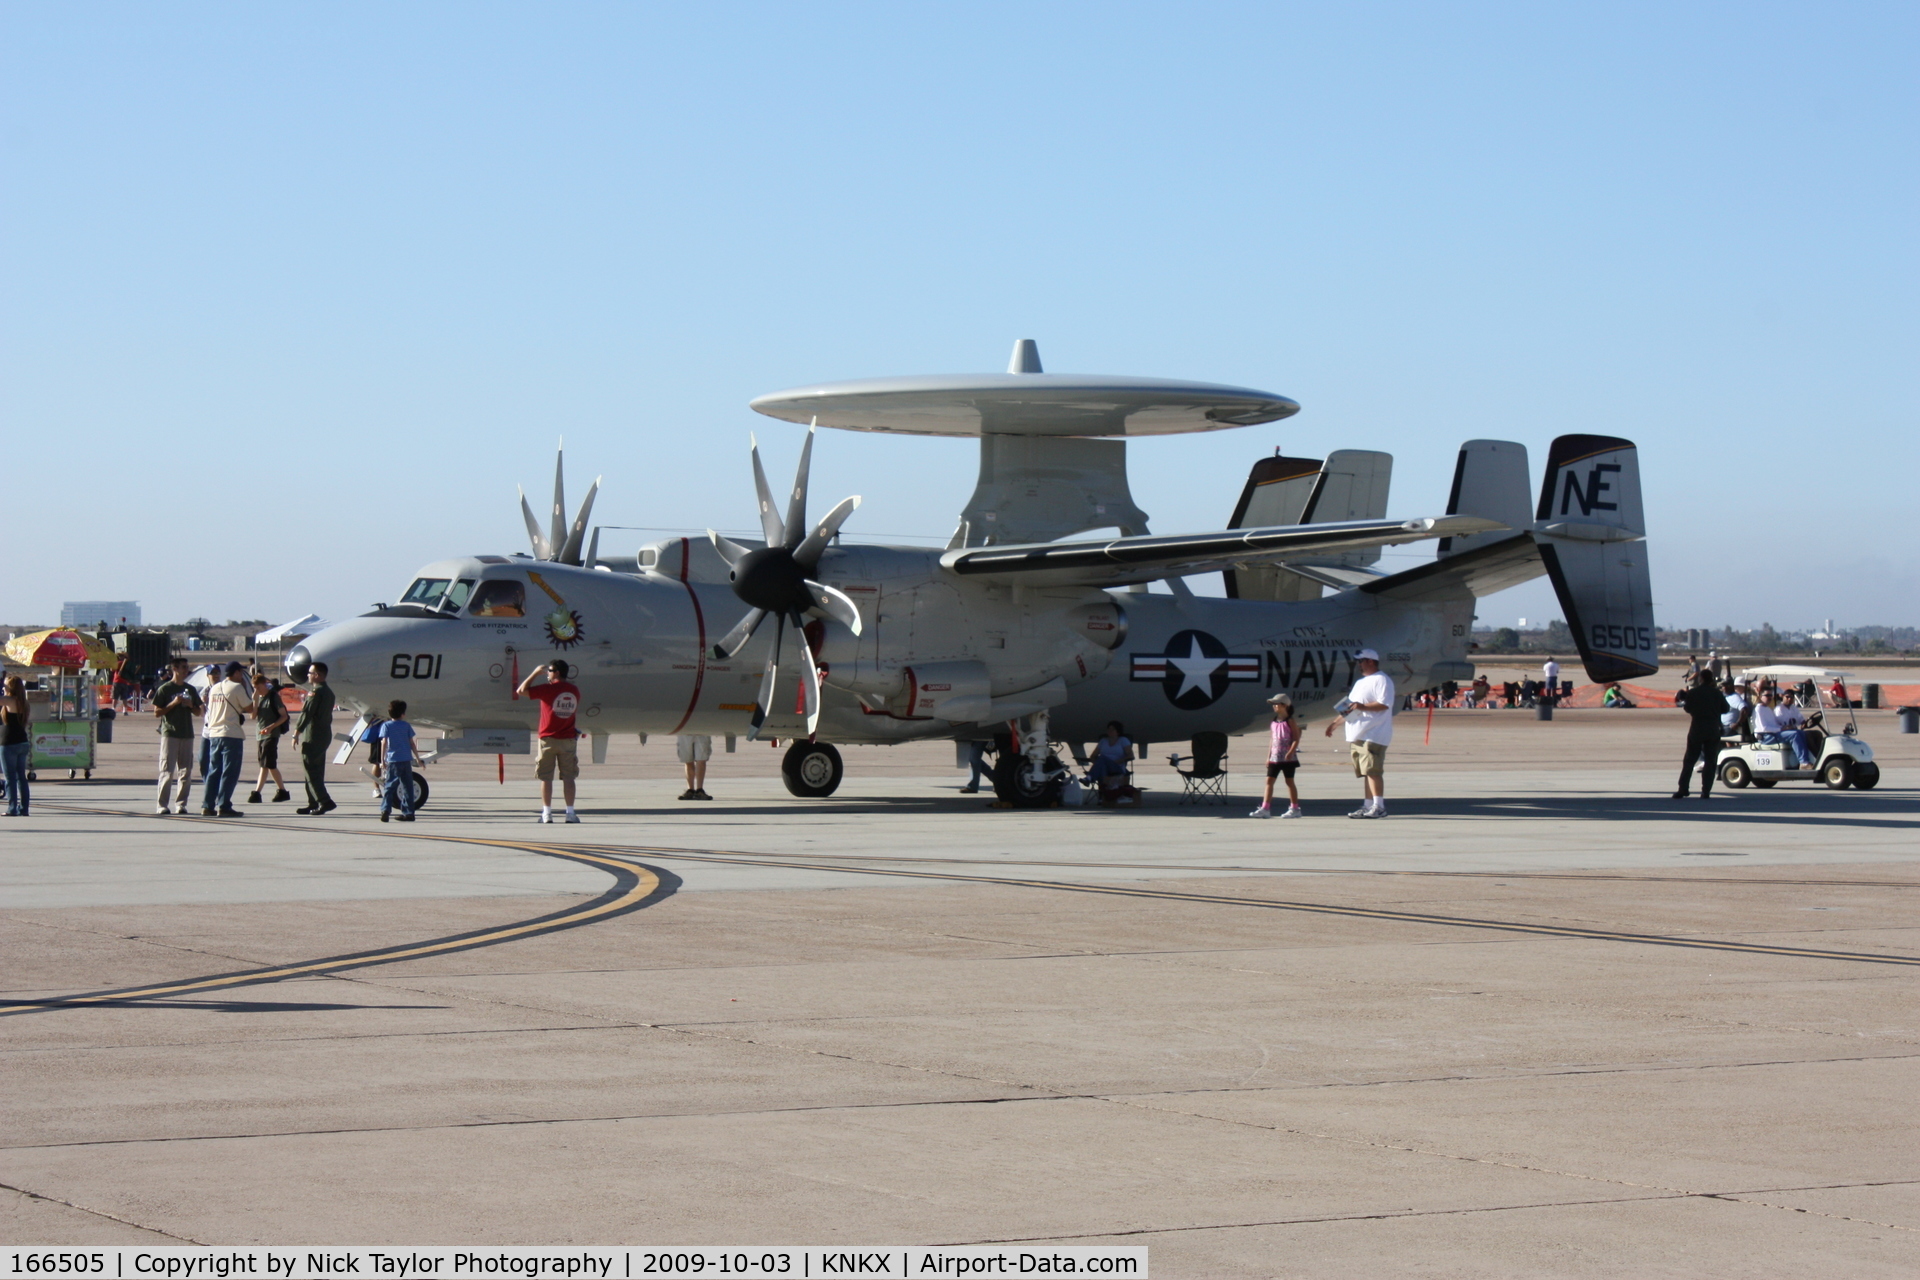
(425, 591)
(434, 593)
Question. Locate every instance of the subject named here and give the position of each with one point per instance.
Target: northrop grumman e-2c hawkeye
(1015, 633)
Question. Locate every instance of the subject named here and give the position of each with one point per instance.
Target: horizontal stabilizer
(1143, 559)
(1488, 567)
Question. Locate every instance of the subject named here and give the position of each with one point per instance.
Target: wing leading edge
(1143, 559)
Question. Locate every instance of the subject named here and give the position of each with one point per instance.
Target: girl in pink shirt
(1283, 757)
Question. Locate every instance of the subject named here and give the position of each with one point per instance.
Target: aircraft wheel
(1866, 775)
(1012, 784)
(420, 791)
(812, 770)
(1734, 773)
(1837, 773)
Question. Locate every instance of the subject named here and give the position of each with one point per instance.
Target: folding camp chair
(1208, 776)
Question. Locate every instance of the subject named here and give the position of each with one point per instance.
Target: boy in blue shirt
(395, 737)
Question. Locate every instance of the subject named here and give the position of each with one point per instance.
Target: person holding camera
(1367, 712)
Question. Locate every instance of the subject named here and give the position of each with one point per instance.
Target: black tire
(1866, 775)
(1012, 786)
(812, 770)
(1734, 773)
(420, 792)
(1766, 783)
(1837, 772)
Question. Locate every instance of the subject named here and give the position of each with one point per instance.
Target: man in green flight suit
(313, 729)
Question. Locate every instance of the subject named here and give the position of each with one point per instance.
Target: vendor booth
(66, 733)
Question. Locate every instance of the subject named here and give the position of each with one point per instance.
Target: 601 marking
(417, 666)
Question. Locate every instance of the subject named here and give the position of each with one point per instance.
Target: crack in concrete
(1727, 1197)
(97, 1213)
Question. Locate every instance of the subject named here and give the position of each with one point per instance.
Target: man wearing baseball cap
(1367, 711)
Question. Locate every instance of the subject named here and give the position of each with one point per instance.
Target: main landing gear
(811, 770)
(1028, 774)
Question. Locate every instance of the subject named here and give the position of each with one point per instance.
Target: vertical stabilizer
(1490, 479)
(1276, 494)
(1590, 527)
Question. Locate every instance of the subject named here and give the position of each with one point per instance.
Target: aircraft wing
(1145, 558)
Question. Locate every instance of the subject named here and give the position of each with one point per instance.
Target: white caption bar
(623, 1262)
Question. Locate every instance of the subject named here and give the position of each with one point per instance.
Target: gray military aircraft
(1016, 633)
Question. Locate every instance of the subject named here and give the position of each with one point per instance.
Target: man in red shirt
(559, 701)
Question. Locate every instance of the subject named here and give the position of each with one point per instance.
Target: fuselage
(1167, 666)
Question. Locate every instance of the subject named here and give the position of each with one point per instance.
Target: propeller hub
(771, 579)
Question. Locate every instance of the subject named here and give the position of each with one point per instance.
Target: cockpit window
(425, 592)
(457, 595)
(500, 598)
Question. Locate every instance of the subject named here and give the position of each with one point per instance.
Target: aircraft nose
(299, 661)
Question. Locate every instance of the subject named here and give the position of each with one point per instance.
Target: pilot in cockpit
(499, 598)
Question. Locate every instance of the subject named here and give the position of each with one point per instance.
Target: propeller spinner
(778, 579)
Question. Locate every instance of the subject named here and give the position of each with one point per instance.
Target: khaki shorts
(695, 747)
(1369, 759)
(564, 752)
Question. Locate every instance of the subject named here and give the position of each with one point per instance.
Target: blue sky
(295, 295)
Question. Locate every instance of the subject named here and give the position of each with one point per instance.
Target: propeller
(559, 542)
(778, 579)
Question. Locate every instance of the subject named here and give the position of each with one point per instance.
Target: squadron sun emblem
(565, 627)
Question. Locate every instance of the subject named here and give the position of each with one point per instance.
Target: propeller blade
(593, 548)
(731, 643)
(559, 536)
(809, 677)
(807, 554)
(539, 540)
(768, 684)
(797, 504)
(570, 553)
(836, 605)
(729, 550)
(769, 518)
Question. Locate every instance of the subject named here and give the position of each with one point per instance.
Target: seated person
(1809, 725)
(1481, 693)
(1529, 692)
(1739, 697)
(1776, 727)
(1838, 693)
(1110, 756)
(1615, 696)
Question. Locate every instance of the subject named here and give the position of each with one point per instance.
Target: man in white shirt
(1778, 725)
(1551, 674)
(1737, 703)
(1367, 712)
(228, 704)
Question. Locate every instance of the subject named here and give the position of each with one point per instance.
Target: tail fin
(1490, 479)
(1589, 525)
(1351, 484)
(1277, 493)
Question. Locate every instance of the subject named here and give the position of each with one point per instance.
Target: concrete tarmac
(1542, 1021)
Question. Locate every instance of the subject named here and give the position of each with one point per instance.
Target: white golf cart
(1841, 759)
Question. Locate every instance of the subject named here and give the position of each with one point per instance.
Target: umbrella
(61, 647)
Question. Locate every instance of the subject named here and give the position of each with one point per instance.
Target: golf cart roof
(1797, 673)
